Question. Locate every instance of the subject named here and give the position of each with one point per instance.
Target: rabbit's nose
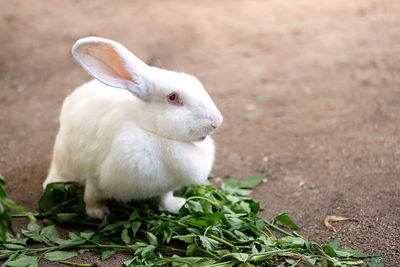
(216, 121)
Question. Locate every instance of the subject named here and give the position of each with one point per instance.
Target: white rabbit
(138, 143)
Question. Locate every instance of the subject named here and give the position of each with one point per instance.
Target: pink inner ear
(108, 60)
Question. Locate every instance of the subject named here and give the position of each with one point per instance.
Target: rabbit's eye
(173, 98)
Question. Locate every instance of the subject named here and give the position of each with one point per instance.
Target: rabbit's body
(125, 161)
(137, 143)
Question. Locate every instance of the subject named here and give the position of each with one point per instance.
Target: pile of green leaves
(216, 227)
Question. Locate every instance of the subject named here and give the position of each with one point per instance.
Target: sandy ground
(322, 76)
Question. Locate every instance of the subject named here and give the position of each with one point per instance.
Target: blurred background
(309, 91)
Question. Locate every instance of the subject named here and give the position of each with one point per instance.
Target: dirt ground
(318, 82)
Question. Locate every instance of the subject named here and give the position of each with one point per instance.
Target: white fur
(132, 144)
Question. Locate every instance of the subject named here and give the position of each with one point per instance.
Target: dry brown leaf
(333, 218)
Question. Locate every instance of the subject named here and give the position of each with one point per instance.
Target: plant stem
(216, 238)
(259, 232)
(224, 263)
(34, 250)
(211, 254)
(164, 248)
(276, 228)
(105, 246)
(78, 264)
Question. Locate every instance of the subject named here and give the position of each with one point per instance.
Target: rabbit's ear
(112, 64)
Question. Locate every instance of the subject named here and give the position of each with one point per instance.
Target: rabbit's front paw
(170, 203)
(97, 211)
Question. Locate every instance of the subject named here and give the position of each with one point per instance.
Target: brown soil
(326, 74)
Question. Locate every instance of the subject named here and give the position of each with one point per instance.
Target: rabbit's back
(88, 127)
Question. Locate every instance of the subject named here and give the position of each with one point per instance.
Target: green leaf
(186, 238)
(286, 220)
(125, 236)
(16, 240)
(152, 239)
(131, 262)
(194, 206)
(114, 227)
(70, 243)
(62, 198)
(232, 182)
(208, 243)
(335, 244)
(107, 254)
(134, 215)
(348, 252)
(50, 233)
(241, 236)
(148, 252)
(292, 242)
(234, 190)
(260, 257)
(242, 257)
(33, 233)
(59, 255)
(65, 217)
(330, 251)
(252, 182)
(13, 246)
(23, 261)
(377, 260)
(87, 235)
(34, 227)
(4, 253)
(214, 217)
(34, 264)
(194, 250)
(255, 208)
(199, 223)
(232, 198)
(135, 227)
(245, 206)
(10, 258)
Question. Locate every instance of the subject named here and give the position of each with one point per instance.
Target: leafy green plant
(216, 227)
(7, 207)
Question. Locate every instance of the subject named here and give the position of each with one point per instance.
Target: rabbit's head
(175, 105)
